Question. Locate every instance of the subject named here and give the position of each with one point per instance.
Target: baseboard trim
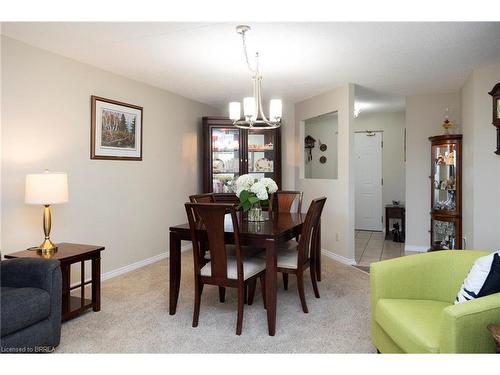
(338, 258)
(142, 263)
(420, 249)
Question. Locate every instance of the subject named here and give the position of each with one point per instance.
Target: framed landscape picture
(116, 130)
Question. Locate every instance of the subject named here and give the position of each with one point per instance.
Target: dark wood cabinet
(446, 192)
(229, 152)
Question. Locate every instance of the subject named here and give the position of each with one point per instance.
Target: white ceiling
(204, 61)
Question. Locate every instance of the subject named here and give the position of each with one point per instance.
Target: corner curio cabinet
(229, 152)
(446, 192)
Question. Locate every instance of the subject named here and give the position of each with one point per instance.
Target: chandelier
(253, 111)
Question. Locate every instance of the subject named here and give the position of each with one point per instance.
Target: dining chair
(296, 258)
(282, 201)
(223, 270)
(203, 198)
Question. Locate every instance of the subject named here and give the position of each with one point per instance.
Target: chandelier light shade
(253, 111)
(234, 111)
(249, 109)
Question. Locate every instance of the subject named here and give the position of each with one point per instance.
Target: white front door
(368, 180)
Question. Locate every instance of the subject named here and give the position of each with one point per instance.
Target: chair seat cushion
(251, 267)
(287, 255)
(412, 324)
(22, 307)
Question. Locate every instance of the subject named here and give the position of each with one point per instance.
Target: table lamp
(45, 189)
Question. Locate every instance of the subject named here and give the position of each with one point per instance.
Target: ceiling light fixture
(252, 106)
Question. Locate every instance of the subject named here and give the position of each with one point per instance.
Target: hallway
(372, 247)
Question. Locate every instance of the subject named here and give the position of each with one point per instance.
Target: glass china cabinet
(229, 152)
(446, 192)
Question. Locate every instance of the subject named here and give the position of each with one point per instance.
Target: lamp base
(46, 249)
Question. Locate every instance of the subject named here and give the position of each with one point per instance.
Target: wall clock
(495, 93)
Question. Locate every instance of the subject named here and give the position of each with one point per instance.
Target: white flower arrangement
(252, 191)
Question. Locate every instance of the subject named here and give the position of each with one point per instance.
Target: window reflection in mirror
(320, 146)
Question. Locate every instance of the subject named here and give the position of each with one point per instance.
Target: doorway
(368, 180)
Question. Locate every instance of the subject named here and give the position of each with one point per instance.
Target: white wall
(392, 124)
(424, 116)
(288, 147)
(123, 205)
(481, 181)
(324, 129)
(338, 215)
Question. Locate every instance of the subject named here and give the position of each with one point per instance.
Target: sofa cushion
(412, 324)
(22, 307)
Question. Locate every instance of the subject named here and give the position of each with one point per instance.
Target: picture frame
(115, 130)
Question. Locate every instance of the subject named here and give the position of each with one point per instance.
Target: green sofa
(412, 305)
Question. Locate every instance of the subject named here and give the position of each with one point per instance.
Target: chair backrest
(310, 231)
(282, 201)
(202, 198)
(212, 217)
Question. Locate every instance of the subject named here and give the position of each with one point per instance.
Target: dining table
(270, 234)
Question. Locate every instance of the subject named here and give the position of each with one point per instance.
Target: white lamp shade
(46, 188)
(234, 111)
(275, 109)
(249, 107)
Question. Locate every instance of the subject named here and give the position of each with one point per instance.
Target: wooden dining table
(270, 234)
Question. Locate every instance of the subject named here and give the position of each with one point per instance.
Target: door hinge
(382, 181)
(382, 144)
(381, 219)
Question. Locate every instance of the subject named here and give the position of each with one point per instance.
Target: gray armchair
(30, 305)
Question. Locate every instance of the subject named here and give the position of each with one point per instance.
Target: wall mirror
(320, 146)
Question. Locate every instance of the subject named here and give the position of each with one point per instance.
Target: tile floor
(372, 247)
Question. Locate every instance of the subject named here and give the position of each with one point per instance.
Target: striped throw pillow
(483, 278)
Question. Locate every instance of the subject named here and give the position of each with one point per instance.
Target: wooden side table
(68, 254)
(394, 212)
(495, 332)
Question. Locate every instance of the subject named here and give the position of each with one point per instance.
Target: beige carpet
(134, 317)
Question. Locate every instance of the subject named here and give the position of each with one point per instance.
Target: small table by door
(394, 212)
(68, 254)
(280, 227)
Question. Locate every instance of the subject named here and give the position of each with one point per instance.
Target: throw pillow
(482, 280)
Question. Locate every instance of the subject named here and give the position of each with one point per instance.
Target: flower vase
(255, 213)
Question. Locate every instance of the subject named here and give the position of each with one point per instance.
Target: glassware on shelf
(443, 234)
(225, 140)
(224, 183)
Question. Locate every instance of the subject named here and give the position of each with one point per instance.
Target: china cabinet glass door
(444, 235)
(444, 177)
(225, 155)
(261, 153)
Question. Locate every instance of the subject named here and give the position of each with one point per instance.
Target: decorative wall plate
(217, 166)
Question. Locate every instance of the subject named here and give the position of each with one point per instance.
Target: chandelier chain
(252, 70)
(254, 117)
